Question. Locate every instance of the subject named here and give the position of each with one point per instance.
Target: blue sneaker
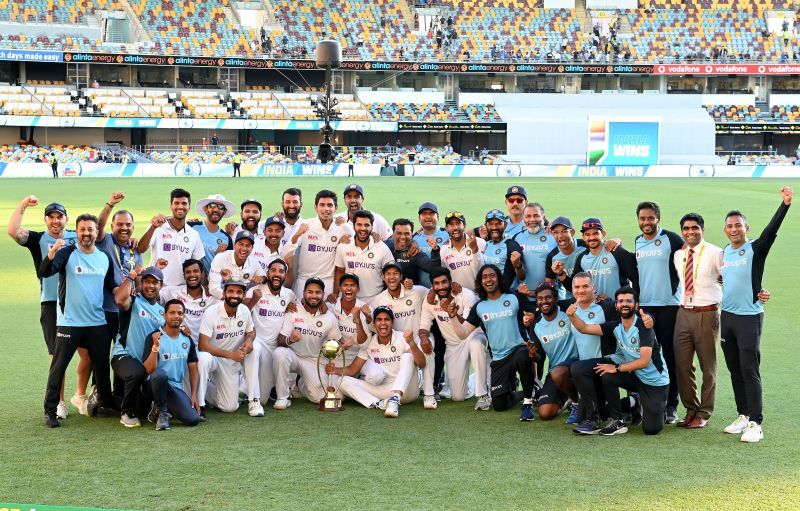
(573, 414)
(527, 413)
(587, 427)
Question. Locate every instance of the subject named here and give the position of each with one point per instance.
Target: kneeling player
(398, 356)
(168, 353)
(637, 365)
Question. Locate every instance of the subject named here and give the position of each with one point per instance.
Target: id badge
(689, 302)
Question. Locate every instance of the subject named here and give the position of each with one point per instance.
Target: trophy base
(330, 404)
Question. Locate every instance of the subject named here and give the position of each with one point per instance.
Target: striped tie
(688, 277)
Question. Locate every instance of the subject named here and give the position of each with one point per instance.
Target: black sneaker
(614, 427)
(50, 420)
(636, 411)
(203, 414)
(162, 424)
(106, 411)
(671, 415)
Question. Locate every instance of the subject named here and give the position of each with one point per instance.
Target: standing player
(193, 295)
(462, 254)
(140, 315)
(299, 341)
(459, 353)
(561, 260)
(354, 200)
(500, 313)
(397, 355)
(84, 271)
(215, 240)
(39, 243)
(504, 253)
(402, 246)
(272, 246)
(637, 365)
(251, 220)
(291, 206)
(743, 314)
(535, 243)
(168, 355)
(659, 287)
(430, 235)
(236, 263)
(171, 240)
(363, 257)
(226, 340)
(268, 303)
(516, 201)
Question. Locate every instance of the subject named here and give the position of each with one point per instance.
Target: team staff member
(226, 339)
(659, 287)
(193, 295)
(699, 266)
(363, 257)
(171, 240)
(215, 240)
(237, 263)
(140, 315)
(637, 365)
(353, 197)
(84, 271)
(743, 314)
(408, 255)
(168, 354)
(560, 261)
(430, 235)
(501, 314)
(39, 243)
(462, 254)
(536, 243)
(502, 252)
(516, 201)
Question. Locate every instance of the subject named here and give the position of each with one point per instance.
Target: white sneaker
(81, 403)
(61, 410)
(129, 422)
(483, 403)
(429, 403)
(738, 425)
(282, 404)
(381, 405)
(752, 433)
(392, 407)
(254, 408)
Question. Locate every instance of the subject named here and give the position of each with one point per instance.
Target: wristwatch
(616, 366)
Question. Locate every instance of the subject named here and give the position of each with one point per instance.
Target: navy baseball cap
(152, 271)
(245, 235)
(354, 188)
(55, 207)
(274, 220)
(251, 201)
(428, 205)
(391, 264)
(516, 190)
(384, 309)
(458, 215)
(314, 280)
(234, 281)
(561, 220)
(592, 223)
(349, 276)
(495, 213)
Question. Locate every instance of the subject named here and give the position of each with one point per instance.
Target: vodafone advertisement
(724, 69)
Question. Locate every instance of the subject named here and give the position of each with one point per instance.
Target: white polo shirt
(465, 300)
(366, 264)
(195, 307)
(224, 332)
(175, 247)
(227, 261)
(264, 255)
(268, 313)
(387, 356)
(380, 225)
(316, 250)
(288, 230)
(463, 264)
(314, 330)
(407, 307)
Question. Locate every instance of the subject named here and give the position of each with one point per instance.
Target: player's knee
(158, 376)
(652, 429)
(228, 407)
(548, 412)
(374, 377)
(501, 403)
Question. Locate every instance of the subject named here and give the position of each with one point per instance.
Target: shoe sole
(587, 433)
(429, 407)
(390, 415)
(481, 408)
(162, 429)
(752, 441)
(619, 431)
(525, 419)
(256, 415)
(733, 432)
(280, 408)
(130, 425)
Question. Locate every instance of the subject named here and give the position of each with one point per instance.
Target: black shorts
(504, 374)
(550, 394)
(47, 318)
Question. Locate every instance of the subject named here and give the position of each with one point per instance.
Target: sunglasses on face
(515, 200)
(218, 206)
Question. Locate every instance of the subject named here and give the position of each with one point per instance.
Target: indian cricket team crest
(506, 303)
(240, 323)
(514, 189)
(394, 348)
(439, 241)
(184, 345)
(409, 301)
(658, 243)
(202, 303)
(605, 260)
(497, 251)
(562, 323)
(72, 241)
(283, 303)
(591, 315)
(186, 239)
(220, 241)
(634, 340)
(543, 238)
(319, 324)
(469, 252)
(741, 252)
(246, 275)
(371, 255)
(334, 238)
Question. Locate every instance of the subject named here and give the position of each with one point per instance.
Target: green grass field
(451, 458)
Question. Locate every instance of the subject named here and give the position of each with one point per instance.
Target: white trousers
(285, 361)
(458, 358)
(219, 381)
(258, 371)
(406, 381)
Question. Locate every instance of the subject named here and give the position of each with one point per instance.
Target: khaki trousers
(697, 333)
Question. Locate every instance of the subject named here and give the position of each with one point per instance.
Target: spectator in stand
(383, 22)
(214, 140)
(95, 84)
(439, 38)
(466, 55)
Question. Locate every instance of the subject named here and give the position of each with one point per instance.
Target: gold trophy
(330, 403)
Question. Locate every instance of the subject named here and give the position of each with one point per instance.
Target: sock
(527, 401)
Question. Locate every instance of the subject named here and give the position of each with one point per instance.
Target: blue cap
(428, 205)
(55, 207)
(384, 309)
(251, 201)
(592, 223)
(391, 264)
(495, 213)
(516, 190)
(245, 235)
(354, 188)
(561, 220)
(274, 220)
(152, 271)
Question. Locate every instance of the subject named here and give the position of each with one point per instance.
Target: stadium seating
(422, 112)
(785, 113)
(734, 113)
(221, 156)
(30, 153)
(482, 113)
(53, 11)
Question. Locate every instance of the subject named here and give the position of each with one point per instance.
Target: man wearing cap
(39, 243)
(172, 240)
(226, 340)
(354, 199)
(235, 263)
(609, 269)
(268, 303)
(430, 235)
(502, 252)
(140, 315)
(536, 243)
(84, 271)
(363, 257)
(272, 245)
(462, 254)
(397, 355)
(516, 200)
(316, 241)
(402, 246)
(560, 261)
(215, 240)
(299, 341)
(193, 294)
(251, 220)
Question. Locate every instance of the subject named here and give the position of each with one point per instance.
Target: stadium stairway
(582, 15)
(141, 34)
(133, 155)
(460, 115)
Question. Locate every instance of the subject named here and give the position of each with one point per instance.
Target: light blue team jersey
(174, 353)
(145, 318)
(556, 339)
(737, 278)
(512, 230)
(496, 253)
(654, 258)
(589, 346)
(422, 240)
(629, 343)
(535, 248)
(211, 241)
(49, 285)
(604, 271)
(86, 276)
(501, 322)
(569, 267)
